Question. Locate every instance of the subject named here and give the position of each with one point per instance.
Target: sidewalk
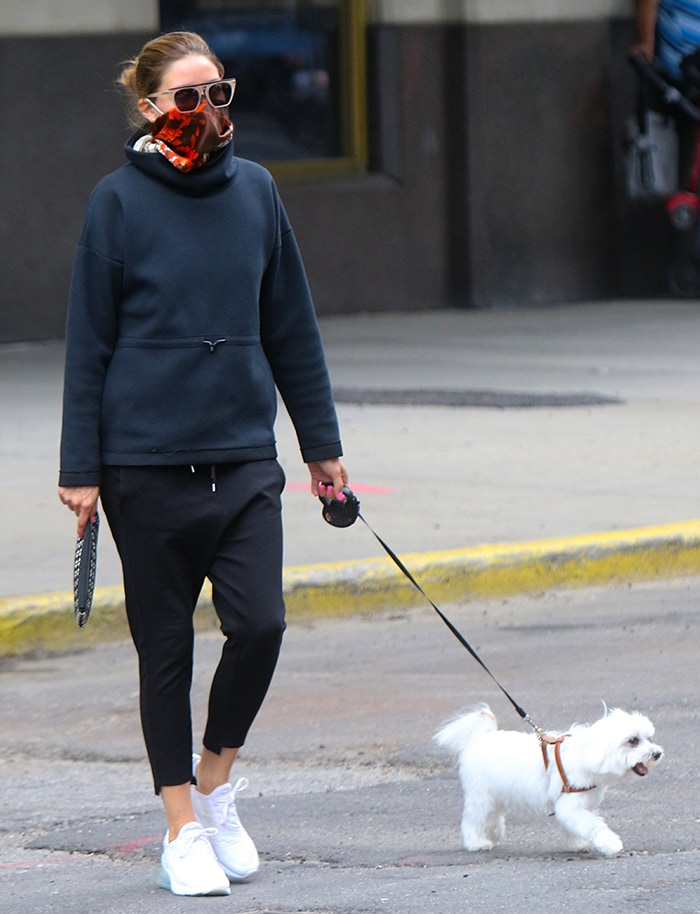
(496, 452)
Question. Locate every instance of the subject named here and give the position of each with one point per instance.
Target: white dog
(561, 774)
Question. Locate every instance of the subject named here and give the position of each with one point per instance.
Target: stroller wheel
(684, 277)
(682, 209)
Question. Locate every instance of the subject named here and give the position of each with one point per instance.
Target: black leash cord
(455, 631)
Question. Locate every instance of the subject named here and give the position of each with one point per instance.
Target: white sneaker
(233, 846)
(188, 865)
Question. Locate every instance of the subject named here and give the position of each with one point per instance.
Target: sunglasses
(188, 98)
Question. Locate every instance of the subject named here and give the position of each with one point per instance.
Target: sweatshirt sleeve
(91, 330)
(292, 343)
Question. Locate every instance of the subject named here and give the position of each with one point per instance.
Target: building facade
(490, 154)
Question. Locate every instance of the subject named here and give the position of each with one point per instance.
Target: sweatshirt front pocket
(206, 393)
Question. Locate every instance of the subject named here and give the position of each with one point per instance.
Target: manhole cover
(483, 399)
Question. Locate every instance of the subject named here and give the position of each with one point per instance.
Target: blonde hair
(142, 76)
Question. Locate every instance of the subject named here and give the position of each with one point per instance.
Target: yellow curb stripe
(489, 571)
(45, 621)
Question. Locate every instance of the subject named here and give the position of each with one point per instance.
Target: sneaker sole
(164, 882)
(234, 875)
(237, 877)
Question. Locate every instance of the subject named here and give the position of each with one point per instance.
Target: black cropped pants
(174, 527)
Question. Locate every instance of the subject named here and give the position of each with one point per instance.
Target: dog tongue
(640, 769)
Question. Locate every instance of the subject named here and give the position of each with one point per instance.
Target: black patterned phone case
(84, 570)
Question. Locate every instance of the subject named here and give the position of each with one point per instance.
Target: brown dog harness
(556, 741)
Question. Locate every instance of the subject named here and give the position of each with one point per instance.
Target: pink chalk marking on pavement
(124, 848)
(60, 858)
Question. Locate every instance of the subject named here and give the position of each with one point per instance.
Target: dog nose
(657, 755)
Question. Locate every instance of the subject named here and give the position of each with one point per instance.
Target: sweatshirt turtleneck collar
(217, 173)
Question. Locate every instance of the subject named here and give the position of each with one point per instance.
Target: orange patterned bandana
(187, 140)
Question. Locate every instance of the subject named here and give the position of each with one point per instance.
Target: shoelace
(186, 843)
(227, 814)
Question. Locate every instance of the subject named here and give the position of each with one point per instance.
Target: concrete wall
(494, 153)
(56, 150)
(403, 12)
(77, 17)
(538, 147)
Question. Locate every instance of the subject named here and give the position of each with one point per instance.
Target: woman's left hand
(82, 501)
(328, 477)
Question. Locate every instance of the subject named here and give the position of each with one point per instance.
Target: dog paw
(578, 844)
(478, 845)
(609, 844)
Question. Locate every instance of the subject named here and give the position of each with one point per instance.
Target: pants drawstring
(212, 475)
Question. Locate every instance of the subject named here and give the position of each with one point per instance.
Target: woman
(188, 308)
(668, 29)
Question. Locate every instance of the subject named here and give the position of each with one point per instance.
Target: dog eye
(633, 741)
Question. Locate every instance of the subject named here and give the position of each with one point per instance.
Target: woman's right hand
(645, 48)
(82, 501)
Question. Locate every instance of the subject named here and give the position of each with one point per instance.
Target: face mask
(187, 140)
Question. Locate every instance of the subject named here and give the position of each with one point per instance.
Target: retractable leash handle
(344, 514)
(340, 513)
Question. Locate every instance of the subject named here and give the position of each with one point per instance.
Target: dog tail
(457, 733)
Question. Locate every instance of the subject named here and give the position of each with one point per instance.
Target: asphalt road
(352, 806)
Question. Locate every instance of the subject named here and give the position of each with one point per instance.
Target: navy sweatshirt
(189, 307)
